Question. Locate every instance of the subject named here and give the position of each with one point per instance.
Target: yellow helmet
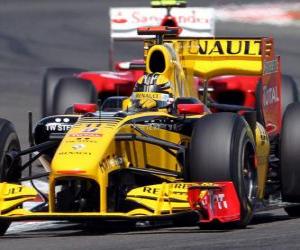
(154, 82)
(156, 87)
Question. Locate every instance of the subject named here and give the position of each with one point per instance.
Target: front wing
(203, 202)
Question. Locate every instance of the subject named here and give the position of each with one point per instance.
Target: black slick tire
(293, 211)
(289, 92)
(9, 142)
(289, 154)
(222, 149)
(50, 81)
(72, 90)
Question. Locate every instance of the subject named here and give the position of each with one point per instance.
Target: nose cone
(80, 152)
(85, 146)
(78, 156)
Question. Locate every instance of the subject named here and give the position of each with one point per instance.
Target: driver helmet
(155, 86)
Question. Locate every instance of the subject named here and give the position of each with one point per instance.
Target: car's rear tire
(72, 90)
(289, 154)
(222, 149)
(9, 142)
(51, 79)
(289, 92)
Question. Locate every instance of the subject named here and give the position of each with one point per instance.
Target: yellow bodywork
(13, 195)
(97, 162)
(90, 149)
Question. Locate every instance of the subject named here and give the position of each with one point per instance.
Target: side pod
(216, 201)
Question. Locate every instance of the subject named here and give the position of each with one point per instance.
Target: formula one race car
(60, 85)
(163, 154)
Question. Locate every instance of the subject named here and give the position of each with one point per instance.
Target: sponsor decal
(60, 124)
(14, 190)
(263, 135)
(119, 19)
(208, 184)
(195, 21)
(270, 95)
(85, 135)
(89, 130)
(156, 190)
(157, 126)
(81, 140)
(78, 146)
(181, 186)
(151, 190)
(74, 153)
(191, 18)
(270, 67)
(221, 202)
(155, 96)
(229, 47)
(58, 127)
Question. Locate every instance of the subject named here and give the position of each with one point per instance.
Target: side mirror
(190, 109)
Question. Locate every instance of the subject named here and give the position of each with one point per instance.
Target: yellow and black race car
(163, 154)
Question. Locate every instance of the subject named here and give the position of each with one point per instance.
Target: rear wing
(195, 22)
(210, 57)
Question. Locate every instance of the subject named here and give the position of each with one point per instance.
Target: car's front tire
(10, 171)
(222, 149)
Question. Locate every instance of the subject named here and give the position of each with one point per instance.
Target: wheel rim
(249, 172)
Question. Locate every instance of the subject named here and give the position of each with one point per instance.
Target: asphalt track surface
(37, 34)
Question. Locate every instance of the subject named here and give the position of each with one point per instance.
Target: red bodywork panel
(243, 87)
(83, 108)
(238, 90)
(108, 83)
(190, 109)
(121, 82)
(271, 91)
(216, 201)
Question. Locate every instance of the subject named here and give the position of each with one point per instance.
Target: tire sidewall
(242, 137)
(50, 81)
(216, 154)
(72, 90)
(289, 154)
(8, 141)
